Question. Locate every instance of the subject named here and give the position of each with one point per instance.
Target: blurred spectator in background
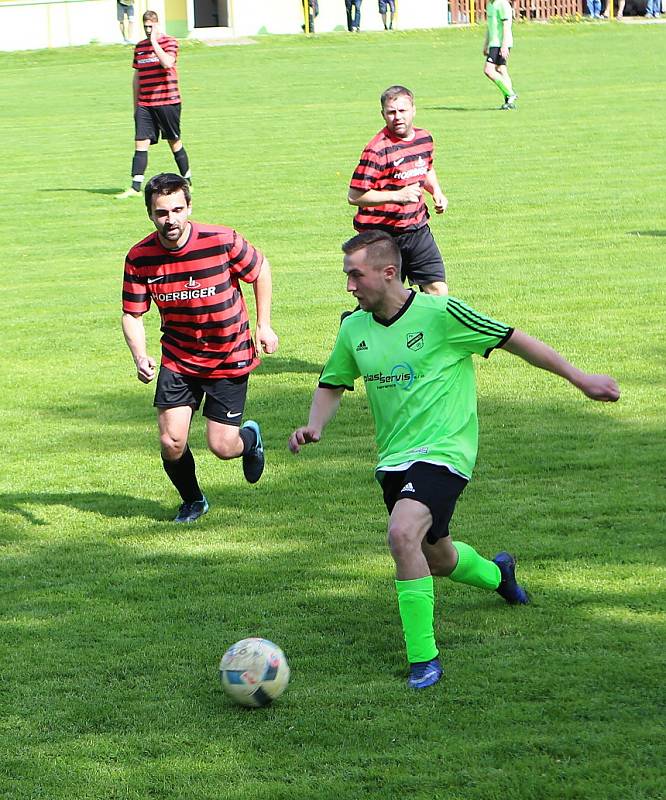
(125, 15)
(313, 11)
(384, 6)
(497, 47)
(353, 9)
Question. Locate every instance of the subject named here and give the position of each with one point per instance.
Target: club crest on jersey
(415, 340)
(192, 284)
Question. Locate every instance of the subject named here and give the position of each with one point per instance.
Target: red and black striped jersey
(205, 325)
(389, 163)
(157, 86)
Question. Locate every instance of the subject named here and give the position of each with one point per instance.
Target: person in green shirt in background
(414, 351)
(496, 48)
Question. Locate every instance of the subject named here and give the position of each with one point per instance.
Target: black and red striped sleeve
(244, 259)
(368, 171)
(135, 297)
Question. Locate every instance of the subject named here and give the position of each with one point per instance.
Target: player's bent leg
(253, 451)
(223, 440)
(228, 441)
(473, 569)
(509, 588)
(436, 287)
(441, 556)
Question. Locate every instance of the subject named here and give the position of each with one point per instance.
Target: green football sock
(416, 602)
(475, 570)
(504, 86)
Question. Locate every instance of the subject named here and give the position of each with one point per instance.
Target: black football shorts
(421, 260)
(431, 484)
(494, 57)
(225, 397)
(149, 123)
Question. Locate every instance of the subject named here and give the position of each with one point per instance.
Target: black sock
(182, 474)
(139, 164)
(183, 163)
(249, 438)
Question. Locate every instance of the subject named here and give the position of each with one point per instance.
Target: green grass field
(114, 620)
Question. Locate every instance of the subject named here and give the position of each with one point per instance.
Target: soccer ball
(254, 672)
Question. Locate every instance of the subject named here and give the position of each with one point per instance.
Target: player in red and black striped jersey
(157, 102)
(192, 273)
(387, 187)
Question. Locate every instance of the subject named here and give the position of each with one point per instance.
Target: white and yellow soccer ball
(254, 672)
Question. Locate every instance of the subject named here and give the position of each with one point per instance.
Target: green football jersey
(496, 13)
(419, 377)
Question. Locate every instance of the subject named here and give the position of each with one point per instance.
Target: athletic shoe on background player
(509, 588)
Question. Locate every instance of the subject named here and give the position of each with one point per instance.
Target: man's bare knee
(172, 449)
(400, 539)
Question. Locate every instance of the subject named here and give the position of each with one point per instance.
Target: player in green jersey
(498, 43)
(414, 352)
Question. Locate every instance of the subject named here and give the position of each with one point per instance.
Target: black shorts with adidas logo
(431, 484)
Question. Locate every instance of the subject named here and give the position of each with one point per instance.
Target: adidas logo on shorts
(408, 487)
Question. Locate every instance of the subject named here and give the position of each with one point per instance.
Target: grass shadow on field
(117, 190)
(647, 233)
(274, 365)
(470, 109)
(108, 505)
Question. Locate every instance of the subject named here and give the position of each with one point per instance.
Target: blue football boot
(509, 588)
(424, 673)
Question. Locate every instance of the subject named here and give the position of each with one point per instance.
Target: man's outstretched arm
(539, 354)
(325, 404)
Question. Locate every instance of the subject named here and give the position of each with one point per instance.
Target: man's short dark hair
(396, 91)
(150, 15)
(165, 183)
(381, 249)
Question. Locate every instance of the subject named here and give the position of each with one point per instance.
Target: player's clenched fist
(301, 436)
(145, 369)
